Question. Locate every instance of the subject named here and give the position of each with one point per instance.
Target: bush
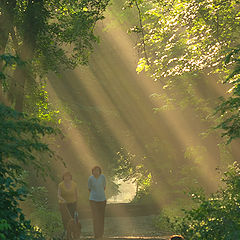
(162, 223)
(47, 219)
(13, 224)
(21, 138)
(218, 216)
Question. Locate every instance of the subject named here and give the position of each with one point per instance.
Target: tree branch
(142, 32)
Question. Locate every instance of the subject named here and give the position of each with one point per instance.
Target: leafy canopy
(183, 36)
(49, 36)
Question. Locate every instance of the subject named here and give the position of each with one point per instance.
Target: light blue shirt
(96, 187)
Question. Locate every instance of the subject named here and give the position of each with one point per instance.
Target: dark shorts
(72, 207)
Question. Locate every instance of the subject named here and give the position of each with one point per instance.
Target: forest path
(126, 228)
(131, 238)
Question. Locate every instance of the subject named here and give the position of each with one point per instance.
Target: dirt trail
(131, 238)
(129, 228)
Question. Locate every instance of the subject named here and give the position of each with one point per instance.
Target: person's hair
(176, 237)
(67, 173)
(96, 167)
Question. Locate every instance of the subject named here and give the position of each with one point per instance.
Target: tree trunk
(20, 78)
(31, 29)
(6, 23)
(4, 32)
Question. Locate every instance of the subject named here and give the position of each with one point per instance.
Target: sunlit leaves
(228, 109)
(131, 168)
(42, 108)
(184, 39)
(216, 217)
(142, 65)
(183, 36)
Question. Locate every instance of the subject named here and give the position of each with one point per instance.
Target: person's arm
(76, 192)
(60, 195)
(104, 182)
(89, 184)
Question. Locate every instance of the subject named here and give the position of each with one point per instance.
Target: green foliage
(183, 43)
(143, 191)
(153, 180)
(46, 218)
(43, 108)
(73, 25)
(4, 226)
(186, 36)
(21, 138)
(13, 223)
(60, 37)
(228, 109)
(58, 24)
(7, 60)
(215, 217)
(163, 223)
(130, 167)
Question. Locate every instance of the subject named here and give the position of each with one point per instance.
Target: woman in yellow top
(67, 195)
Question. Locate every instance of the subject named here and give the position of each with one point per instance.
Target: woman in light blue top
(97, 199)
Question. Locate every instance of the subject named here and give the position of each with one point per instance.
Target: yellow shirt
(68, 194)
